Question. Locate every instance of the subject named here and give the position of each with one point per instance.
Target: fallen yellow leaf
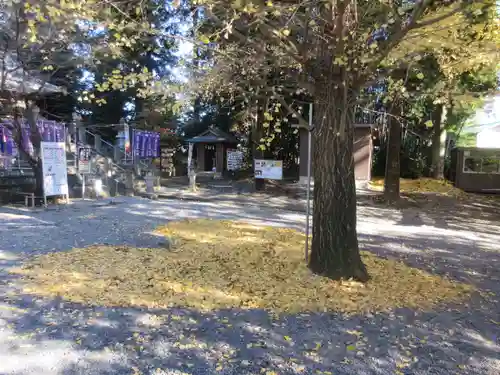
(228, 264)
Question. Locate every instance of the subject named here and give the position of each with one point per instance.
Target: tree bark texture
(38, 171)
(36, 139)
(393, 158)
(33, 158)
(334, 250)
(256, 134)
(437, 162)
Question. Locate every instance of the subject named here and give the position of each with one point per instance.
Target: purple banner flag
(137, 147)
(50, 131)
(149, 145)
(156, 145)
(61, 132)
(145, 144)
(9, 141)
(44, 130)
(26, 143)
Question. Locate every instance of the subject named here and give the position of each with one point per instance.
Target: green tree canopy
(330, 50)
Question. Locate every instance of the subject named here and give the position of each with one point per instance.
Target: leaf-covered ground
(47, 335)
(421, 185)
(229, 264)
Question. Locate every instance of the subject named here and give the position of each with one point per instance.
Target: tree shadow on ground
(473, 212)
(76, 339)
(459, 259)
(41, 335)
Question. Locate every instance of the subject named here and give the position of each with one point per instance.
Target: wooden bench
(27, 197)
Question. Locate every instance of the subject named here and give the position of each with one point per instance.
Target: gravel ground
(41, 336)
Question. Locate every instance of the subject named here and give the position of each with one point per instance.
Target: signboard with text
(84, 157)
(55, 176)
(268, 169)
(234, 160)
(167, 160)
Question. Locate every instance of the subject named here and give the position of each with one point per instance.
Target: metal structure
(308, 193)
(309, 129)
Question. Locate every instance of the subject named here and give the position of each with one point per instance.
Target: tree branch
(396, 38)
(302, 123)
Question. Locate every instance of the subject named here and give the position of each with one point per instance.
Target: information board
(234, 160)
(167, 160)
(84, 157)
(269, 169)
(55, 175)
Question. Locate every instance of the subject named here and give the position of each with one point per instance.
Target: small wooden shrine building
(208, 151)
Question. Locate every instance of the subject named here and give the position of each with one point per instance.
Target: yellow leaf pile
(421, 185)
(227, 264)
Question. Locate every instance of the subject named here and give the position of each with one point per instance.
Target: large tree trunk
(34, 158)
(437, 161)
(393, 159)
(36, 139)
(334, 251)
(38, 171)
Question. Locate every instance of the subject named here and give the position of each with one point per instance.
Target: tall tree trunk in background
(34, 158)
(437, 160)
(38, 171)
(257, 153)
(36, 140)
(334, 250)
(196, 65)
(393, 157)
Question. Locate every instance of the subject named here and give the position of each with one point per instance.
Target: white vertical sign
(55, 174)
(234, 160)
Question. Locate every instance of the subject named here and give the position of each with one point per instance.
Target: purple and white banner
(136, 143)
(155, 146)
(146, 144)
(143, 145)
(50, 131)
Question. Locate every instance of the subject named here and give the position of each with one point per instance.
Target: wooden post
(191, 171)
